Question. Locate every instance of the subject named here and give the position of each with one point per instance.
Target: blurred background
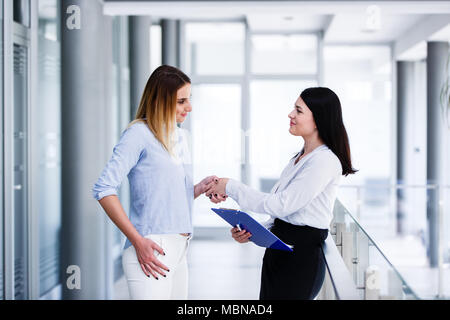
(72, 74)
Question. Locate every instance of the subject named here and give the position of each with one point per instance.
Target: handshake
(216, 189)
(213, 187)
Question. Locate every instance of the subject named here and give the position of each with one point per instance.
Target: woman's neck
(311, 144)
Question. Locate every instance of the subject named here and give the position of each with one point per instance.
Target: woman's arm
(125, 156)
(116, 213)
(306, 185)
(144, 247)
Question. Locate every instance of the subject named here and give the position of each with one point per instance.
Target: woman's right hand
(145, 249)
(240, 236)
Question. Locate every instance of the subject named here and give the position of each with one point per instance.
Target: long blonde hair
(159, 102)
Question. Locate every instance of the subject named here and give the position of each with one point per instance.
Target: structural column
(171, 34)
(437, 55)
(139, 37)
(405, 94)
(84, 273)
(110, 139)
(170, 42)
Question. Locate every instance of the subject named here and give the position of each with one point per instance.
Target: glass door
(20, 160)
(45, 151)
(15, 163)
(215, 127)
(213, 122)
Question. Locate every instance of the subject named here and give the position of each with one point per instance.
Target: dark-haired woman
(159, 226)
(301, 202)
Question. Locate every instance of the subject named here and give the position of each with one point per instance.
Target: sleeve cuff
(231, 188)
(102, 194)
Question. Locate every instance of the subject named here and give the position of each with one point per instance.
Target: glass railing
(338, 284)
(375, 277)
(395, 240)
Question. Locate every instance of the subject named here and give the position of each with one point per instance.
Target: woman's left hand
(240, 236)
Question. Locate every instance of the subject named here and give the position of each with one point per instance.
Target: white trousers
(172, 287)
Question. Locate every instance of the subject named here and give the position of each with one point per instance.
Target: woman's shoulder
(326, 157)
(136, 125)
(138, 132)
(139, 127)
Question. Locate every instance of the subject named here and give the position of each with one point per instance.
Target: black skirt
(294, 275)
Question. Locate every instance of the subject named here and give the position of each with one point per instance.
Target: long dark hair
(327, 112)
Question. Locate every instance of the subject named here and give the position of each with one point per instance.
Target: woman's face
(302, 120)
(183, 102)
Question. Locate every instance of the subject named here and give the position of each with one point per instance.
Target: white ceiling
(342, 21)
(351, 28)
(287, 22)
(442, 35)
(419, 50)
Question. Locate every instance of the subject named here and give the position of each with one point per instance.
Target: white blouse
(304, 194)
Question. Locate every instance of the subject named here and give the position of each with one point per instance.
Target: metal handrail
(344, 209)
(440, 188)
(342, 281)
(343, 285)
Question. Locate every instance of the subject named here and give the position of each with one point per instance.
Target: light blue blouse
(161, 187)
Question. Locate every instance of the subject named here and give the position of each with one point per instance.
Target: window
(215, 57)
(216, 60)
(216, 141)
(361, 77)
(284, 54)
(155, 47)
(271, 144)
(215, 48)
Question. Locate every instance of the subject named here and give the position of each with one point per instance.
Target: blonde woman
(159, 226)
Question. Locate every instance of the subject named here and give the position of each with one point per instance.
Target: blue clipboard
(260, 235)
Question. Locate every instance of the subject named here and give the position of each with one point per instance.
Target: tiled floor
(224, 269)
(218, 270)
